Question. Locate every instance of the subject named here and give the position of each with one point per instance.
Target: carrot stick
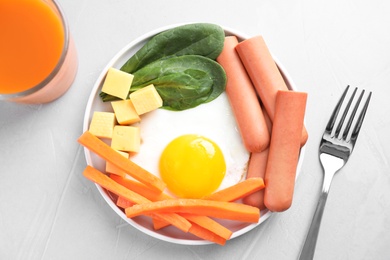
(123, 202)
(264, 74)
(159, 224)
(243, 99)
(209, 224)
(140, 188)
(237, 191)
(195, 229)
(256, 169)
(217, 209)
(107, 153)
(106, 182)
(103, 180)
(145, 191)
(206, 234)
(202, 221)
(284, 150)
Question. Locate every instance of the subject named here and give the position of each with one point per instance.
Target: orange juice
(33, 39)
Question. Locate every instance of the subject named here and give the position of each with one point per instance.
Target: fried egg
(167, 134)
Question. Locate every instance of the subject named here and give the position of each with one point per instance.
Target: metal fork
(336, 147)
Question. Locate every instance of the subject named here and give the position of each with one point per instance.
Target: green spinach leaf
(192, 39)
(183, 82)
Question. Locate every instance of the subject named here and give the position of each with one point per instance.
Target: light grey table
(49, 211)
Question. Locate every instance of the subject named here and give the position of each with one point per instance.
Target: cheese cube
(125, 112)
(146, 99)
(110, 168)
(102, 124)
(117, 83)
(126, 138)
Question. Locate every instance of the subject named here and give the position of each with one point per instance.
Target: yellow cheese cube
(117, 83)
(125, 112)
(126, 138)
(102, 124)
(110, 168)
(146, 99)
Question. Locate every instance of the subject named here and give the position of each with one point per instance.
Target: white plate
(169, 234)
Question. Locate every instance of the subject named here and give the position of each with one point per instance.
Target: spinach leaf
(183, 82)
(199, 39)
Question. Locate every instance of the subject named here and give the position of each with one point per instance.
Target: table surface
(48, 210)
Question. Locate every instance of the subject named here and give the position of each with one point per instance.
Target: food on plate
(140, 188)
(264, 73)
(214, 121)
(191, 39)
(198, 159)
(231, 193)
(207, 234)
(183, 82)
(243, 99)
(102, 124)
(204, 227)
(127, 197)
(126, 138)
(284, 149)
(125, 113)
(146, 99)
(117, 83)
(180, 62)
(217, 209)
(124, 203)
(109, 184)
(256, 169)
(110, 168)
(192, 166)
(143, 190)
(100, 148)
(238, 191)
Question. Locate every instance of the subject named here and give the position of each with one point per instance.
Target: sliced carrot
(217, 209)
(206, 234)
(202, 221)
(140, 188)
(209, 224)
(238, 190)
(206, 227)
(284, 149)
(103, 180)
(99, 147)
(106, 182)
(159, 224)
(143, 190)
(123, 202)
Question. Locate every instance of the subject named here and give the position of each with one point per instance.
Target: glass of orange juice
(38, 60)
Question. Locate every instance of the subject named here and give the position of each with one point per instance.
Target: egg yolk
(192, 166)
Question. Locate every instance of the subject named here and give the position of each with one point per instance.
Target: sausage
(243, 99)
(264, 74)
(284, 149)
(256, 168)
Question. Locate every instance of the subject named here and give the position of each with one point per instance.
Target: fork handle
(309, 246)
(331, 165)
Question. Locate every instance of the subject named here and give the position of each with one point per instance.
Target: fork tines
(347, 113)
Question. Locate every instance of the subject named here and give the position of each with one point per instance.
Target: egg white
(214, 120)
